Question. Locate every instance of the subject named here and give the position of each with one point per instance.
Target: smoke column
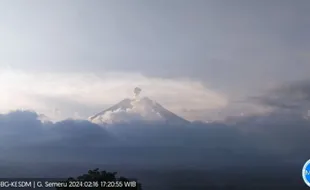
(137, 91)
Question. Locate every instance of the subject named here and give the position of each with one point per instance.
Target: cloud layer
(64, 95)
(293, 97)
(243, 139)
(138, 110)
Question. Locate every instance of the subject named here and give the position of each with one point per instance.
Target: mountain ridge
(137, 110)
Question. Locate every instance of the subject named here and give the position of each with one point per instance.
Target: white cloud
(33, 90)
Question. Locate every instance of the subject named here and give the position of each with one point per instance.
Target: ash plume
(137, 91)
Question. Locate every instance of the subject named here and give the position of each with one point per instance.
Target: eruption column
(137, 91)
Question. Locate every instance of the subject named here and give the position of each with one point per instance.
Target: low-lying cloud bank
(24, 128)
(282, 135)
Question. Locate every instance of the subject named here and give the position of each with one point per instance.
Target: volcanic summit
(137, 109)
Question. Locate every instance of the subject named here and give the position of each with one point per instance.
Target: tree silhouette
(96, 179)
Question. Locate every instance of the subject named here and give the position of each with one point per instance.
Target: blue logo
(306, 173)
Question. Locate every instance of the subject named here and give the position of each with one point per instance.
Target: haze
(56, 56)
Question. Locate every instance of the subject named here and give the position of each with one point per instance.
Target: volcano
(137, 110)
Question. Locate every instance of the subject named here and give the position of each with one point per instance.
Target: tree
(96, 179)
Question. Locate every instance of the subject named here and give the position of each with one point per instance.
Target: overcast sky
(74, 58)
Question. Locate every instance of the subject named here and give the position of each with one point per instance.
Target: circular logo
(306, 173)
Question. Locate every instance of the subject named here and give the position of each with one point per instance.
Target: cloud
(128, 116)
(298, 90)
(41, 91)
(23, 128)
(290, 97)
(138, 109)
(277, 134)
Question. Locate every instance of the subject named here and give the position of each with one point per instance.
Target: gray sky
(233, 48)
